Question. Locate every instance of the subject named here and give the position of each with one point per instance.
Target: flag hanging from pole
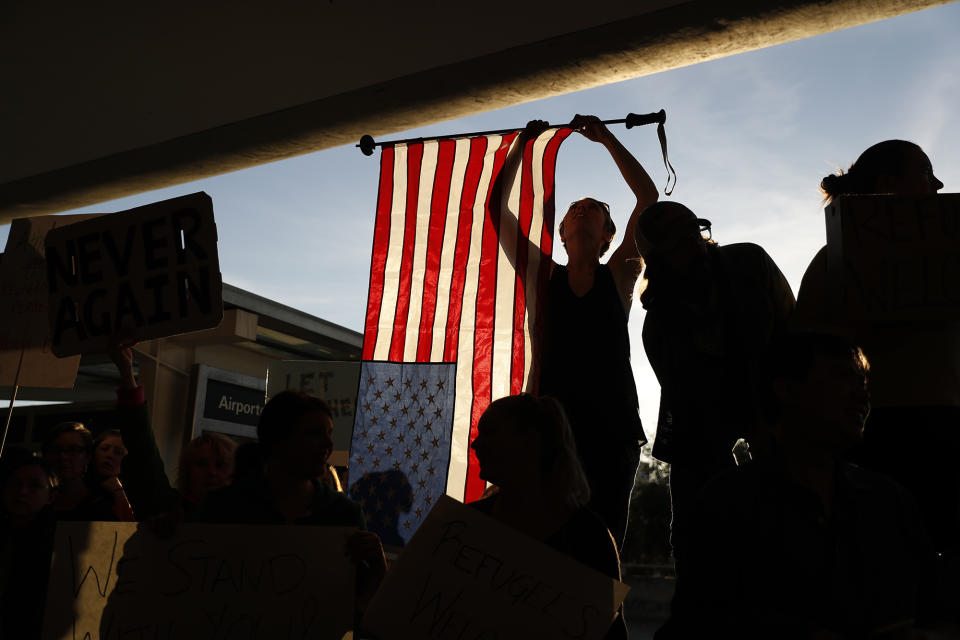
(462, 250)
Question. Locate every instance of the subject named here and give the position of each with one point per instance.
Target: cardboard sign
(465, 575)
(146, 273)
(335, 382)
(23, 307)
(895, 258)
(110, 580)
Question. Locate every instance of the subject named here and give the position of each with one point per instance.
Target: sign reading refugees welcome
(894, 258)
(465, 575)
(145, 273)
(118, 580)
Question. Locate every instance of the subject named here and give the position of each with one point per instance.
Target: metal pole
(367, 144)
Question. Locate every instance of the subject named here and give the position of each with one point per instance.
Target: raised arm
(625, 263)
(143, 473)
(504, 184)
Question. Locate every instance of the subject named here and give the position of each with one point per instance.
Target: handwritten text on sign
(466, 576)
(895, 258)
(145, 273)
(334, 382)
(109, 581)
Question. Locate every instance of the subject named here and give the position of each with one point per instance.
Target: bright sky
(750, 137)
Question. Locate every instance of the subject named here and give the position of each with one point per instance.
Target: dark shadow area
(384, 496)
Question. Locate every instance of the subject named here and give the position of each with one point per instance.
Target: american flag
(462, 250)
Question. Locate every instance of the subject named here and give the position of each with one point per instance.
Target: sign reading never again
(114, 580)
(145, 273)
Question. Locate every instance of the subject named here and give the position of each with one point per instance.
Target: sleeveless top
(585, 363)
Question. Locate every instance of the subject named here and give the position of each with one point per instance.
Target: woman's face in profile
(505, 451)
(917, 178)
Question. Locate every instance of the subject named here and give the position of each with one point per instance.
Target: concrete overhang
(655, 36)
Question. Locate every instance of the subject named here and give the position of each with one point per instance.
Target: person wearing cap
(711, 313)
(585, 360)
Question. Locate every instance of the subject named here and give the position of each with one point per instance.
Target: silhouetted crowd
(842, 520)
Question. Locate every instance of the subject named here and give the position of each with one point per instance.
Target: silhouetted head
(28, 483)
(892, 166)
(816, 391)
(589, 220)
(384, 496)
(296, 431)
(68, 448)
(670, 234)
(206, 463)
(522, 435)
(108, 453)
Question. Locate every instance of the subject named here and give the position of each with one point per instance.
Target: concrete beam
(677, 36)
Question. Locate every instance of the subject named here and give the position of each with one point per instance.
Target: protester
(586, 348)
(296, 435)
(68, 448)
(799, 543)
(206, 462)
(711, 313)
(108, 454)
(525, 447)
(27, 525)
(913, 434)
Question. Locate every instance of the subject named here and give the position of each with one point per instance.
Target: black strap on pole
(367, 144)
(662, 135)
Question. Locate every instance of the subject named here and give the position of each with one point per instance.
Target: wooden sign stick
(13, 397)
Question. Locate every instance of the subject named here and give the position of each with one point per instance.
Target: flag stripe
(462, 460)
(435, 246)
(471, 184)
(428, 169)
(504, 208)
(485, 309)
(547, 168)
(444, 283)
(535, 259)
(397, 343)
(381, 237)
(394, 254)
(525, 213)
